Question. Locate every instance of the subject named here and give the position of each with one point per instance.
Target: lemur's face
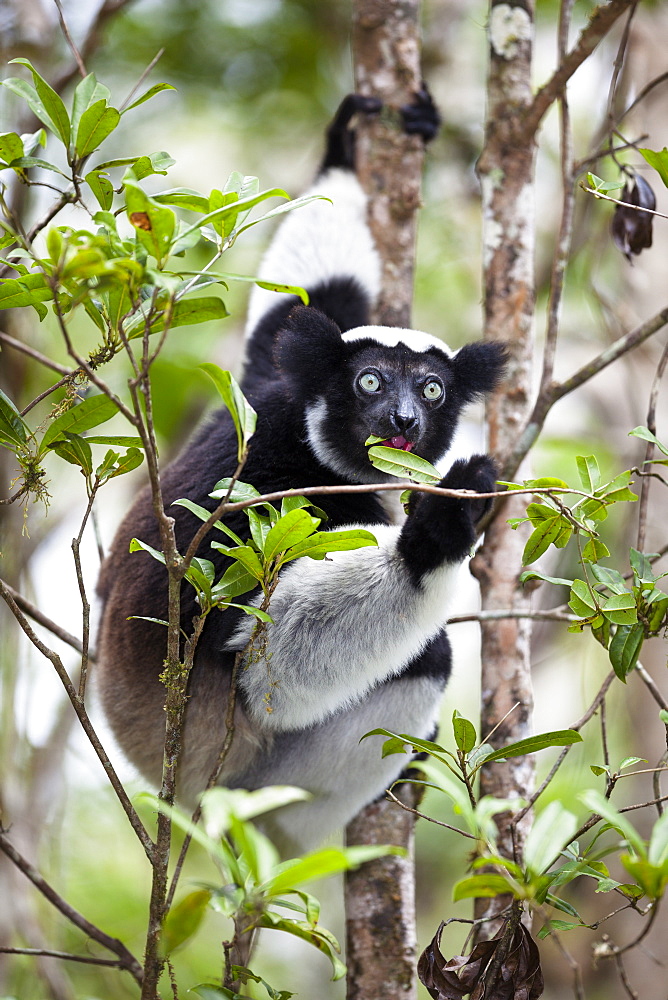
(396, 393)
(393, 393)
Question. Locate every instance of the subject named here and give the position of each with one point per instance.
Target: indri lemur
(358, 638)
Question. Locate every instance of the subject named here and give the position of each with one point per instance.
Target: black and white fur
(358, 639)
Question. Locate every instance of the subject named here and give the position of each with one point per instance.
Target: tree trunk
(506, 170)
(380, 898)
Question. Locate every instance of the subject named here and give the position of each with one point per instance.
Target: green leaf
(248, 558)
(581, 600)
(659, 161)
(558, 738)
(157, 88)
(24, 291)
(183, 920)
(620, 609)
(217, 200)
(403, 464)
(186, 312)
(319, 544)
(232, 206)
(184, 198)
(316, 936)
(482, 886)
(556, 925)
(75, 450)
(260, 526)
(203, 514)
(235, 581)
(88, 413)
(588, 471)
(553, 828)
(136, 545)
(540, 512)
(289, 530)
(464, 733)
(14, 431)
(657, 853)
(646, 435)
(610, 578)
(603, 186)
(154, 225)
(239, 494)
(323, 863)
(86, 93)
(642, 566)
(11, 146)
(595, 550)
(625, 647)
(248, 609)
(132, 459)
(54, 114)
(542, 537)
(97, 122)
(534, 574)
(121, 440)
(597, 803)
(241, 411)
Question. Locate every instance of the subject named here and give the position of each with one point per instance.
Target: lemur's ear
(308, 345)
(479, 367)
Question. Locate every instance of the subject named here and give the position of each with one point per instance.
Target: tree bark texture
(386, 53)
(381, 941)
(506, 171)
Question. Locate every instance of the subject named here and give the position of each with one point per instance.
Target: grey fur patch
(341, 774)
(341, 626)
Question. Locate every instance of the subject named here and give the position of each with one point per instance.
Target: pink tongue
(399, 442)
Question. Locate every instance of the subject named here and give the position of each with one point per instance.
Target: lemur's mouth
(399, 442)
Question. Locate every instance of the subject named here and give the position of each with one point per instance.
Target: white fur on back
(319, 242)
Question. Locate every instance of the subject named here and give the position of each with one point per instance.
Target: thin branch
(562, 248)
(156, 58)
(64, 955)
(577, 726)
(47, 392)
(34, 612)
(624, 204)
(600, 23)
(662, 78)
(557, 391)
(84, 719)
(32, 353)
(624, 978)
(651, 686)
(430, 819)
(649, 450)
(215, 774)
(126, 958)
(70, 40)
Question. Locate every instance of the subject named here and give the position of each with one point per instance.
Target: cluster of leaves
(65, 436)
(122, 275)
(620, 612)
(119, 272)
(254, 885)
(553, 855)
